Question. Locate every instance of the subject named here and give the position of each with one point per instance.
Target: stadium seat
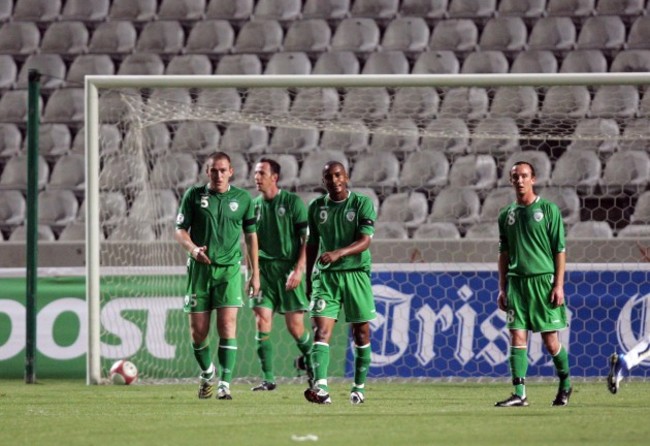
(308, 197)
(496, 200)
(456, 205)
(449, 135)
(154, 139)
(110, 140)
(580, 169)
(176, 171)
(370, 193)
(210, 37)
(408, 208)
(620, 8)
(337, 62)
(436, 231)
(76, 232)
(399, 136)
(584, 61)
(633, 232)
(288, 63)
(417, 103)
(189, 64)
(386, 62)
(534, 62)
(289, 171)
(311, 173)
(170, 98)
(465, 103)
(359, 35)
(241, 172)
(54, 140)
(602, 33)
(112, 208)
(530, 9)
(196, 137)
(154, 206)
(113, 106)
(498, 137)
(520, 103)
(274, 101)
(627, 171)
(368, 103)
(406, 34)
(57, 208)
(281, 10)
(485, 62)
(130, 231)
(641, 212)
(181, 10)
(639, 35)
(504, 34)
(566, 198)
(309, 36)
(436, 62)
(65, 106)
(259, 37)
(13, 106)
(65, 38)
(88, 11)
(326, 9)
(87, 64)
(141, 64)
(19, 38)
(631, 61)
(561, 102)
(390, 230)
(427, 170)
(10, 140)
(478, 172)
(113, 38)
(239, 64)
(615, 101)
(379, 171)
(472, 9)
(552, 33)
(37, 10)
(245, 138)
(572, 8)
(122, 173)
(636, 135)
(234, 12)
(538, 159)
(69, 173)
(133, 10)
(599, 135)
(459, 35)
(294, 140)
(13, 209)
(316, 103)
(352, 139)
(51, 66)
(427, 9)
(483, 231)
(163, 38)
(45, 234)
(375, 9)
(590, 229)
(6, 9)
(644, 106)
(8, 72)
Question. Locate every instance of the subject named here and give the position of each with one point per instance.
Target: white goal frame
(94, 83)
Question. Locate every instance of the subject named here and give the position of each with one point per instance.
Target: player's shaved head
(331, 164)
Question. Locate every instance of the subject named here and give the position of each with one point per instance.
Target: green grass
(70, 413)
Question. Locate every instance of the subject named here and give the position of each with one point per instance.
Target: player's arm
(252, 251)
(502, 299)
(295, 276)
(198, 253)
(358, 246)
(557, 294)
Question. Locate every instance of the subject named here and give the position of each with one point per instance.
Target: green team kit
(334, 225)
(215, 220)
(532, 235)
(281, 222)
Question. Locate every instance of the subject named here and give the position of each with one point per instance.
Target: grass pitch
(61, 412)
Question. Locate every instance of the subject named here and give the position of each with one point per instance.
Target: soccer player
(341, 224)
(532, 262)
(621, 364)
(210, 221)
(282, 234)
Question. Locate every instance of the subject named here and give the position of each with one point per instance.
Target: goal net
(433, 152)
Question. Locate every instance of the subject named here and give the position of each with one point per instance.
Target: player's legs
(227, 354)
(362, 357)
(560, 356)
(518, 367)
(295, 322)
(199, 329)
(621, 364)
(320, 359)
(264, 325)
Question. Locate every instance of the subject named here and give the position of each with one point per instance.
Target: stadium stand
(386, 62)
(288, 63)
(134, 10)
(259, 37)
(534, 61)
(436, 231)
(67, 39)
(44, 234)
(483, 230)
(239, 64)
(14, 175)
(552, 33)
(584, 61)
(226, 99)
(337, 62)
(246, 138)
(407, 34)
(374, 9)
(294, 140)
(459, 35)
(573, 8)
(436, 62)
(87, 11)
(210, 37)
(530, 9)
(390, 230)
(10, 140)
(181, 10)
(457, 205)
(310, 36)
(351, 142)
(407, 208)
(599, 230)
(12, 209)
(57, 208)
(113, 38)
(579, 169)
(281, 10)
(37, 10)
(596, 134)
(504, 34)
(428, 9)
(54, 140)
(326, 9)
(359, 35)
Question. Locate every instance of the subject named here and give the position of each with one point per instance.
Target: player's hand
(199, 254)
(502, 301)
(329, 257)
(254, 286)
(557, 296)
(294, 279)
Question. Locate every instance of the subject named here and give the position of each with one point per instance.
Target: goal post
(149, 272)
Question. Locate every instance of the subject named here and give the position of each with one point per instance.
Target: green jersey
(532, 235)
(280, 223)
(335, 225)
(216, 220)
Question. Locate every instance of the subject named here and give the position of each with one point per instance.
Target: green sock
(304, 345)
(361, 363)
(227, 357)
(202, 354)
(265, 353)
(518, 368)
(561, 361)
(320, 359)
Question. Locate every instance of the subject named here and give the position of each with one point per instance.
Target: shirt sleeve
(314, 236)
(184, 216)
(249, 222)
(367, 216)
(503, 237)
(556, 230)
(300, 215)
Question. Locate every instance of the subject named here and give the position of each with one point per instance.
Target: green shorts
(348, 289)
(212, 286)
(529, 305)
(273, 294)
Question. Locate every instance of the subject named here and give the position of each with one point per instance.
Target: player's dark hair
(273, 164)
(215, 156)
(525, 163)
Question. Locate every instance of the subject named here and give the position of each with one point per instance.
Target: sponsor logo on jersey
(538, 215)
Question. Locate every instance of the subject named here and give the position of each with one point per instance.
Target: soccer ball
(123, 372)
